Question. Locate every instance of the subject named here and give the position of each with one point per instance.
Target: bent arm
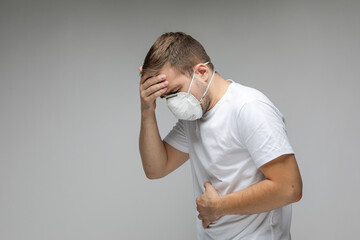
(282, 185)
(158, 158)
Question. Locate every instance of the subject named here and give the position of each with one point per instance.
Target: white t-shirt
(243, 131)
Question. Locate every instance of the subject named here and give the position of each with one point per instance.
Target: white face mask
(184, 105)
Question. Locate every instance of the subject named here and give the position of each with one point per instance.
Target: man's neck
(217, 90)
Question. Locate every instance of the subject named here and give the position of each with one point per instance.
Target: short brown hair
(179, 50)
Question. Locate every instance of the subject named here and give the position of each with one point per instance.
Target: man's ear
(140, 69)
(202, 70)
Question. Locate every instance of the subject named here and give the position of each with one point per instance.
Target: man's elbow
(153, 176)
(295, 194)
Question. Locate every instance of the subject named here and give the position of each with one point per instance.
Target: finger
(148, 77)
(151, 90)
(155, 95)
(198, 200)
(144, 78)
(206, 183)
(205, 224)
(207, 186)
(210, 188)
(152, 81)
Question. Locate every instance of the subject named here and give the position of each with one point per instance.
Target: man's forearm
(261, 197)
(152, 150)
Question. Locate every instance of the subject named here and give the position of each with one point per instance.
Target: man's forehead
(163, 70)
(169, 71)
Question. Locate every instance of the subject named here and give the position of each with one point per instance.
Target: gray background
(70, 111)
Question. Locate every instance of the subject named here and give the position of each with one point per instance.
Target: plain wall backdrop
(70, 111)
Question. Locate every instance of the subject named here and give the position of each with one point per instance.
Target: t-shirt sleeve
(177, 137)
(263, 131)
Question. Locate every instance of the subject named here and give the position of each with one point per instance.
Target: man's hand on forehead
(151, 87)
(146, 77)
(152, 80)
(149, 81)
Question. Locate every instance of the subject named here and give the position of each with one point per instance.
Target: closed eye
(173, 92)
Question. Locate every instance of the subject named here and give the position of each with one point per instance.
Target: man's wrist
(220, 209)
(147, 113)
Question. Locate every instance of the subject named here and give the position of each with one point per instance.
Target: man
(244, 170)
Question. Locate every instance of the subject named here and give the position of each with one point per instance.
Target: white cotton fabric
(243, 131)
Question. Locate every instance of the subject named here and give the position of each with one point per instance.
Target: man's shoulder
(242, 94)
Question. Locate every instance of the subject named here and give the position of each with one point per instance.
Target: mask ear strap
(192, 79)
(208, 86)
